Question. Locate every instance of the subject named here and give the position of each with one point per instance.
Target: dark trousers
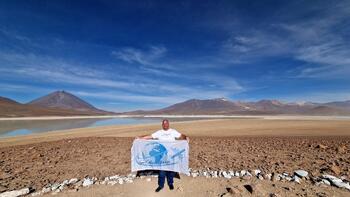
(169, 176)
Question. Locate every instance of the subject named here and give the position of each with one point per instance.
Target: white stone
(37, 193)
(87, 182)
(332, 179)
(195, 174)
(257, 172)
(65, 182)
(288, 178)
(114, 177)
(296, 179)
(15, 193)
(243, 172)
(73, 181)
(205, 174)
(237, 174)
(46, 190)
(269, 176)
(342, 185)
(301, 173)
(326, 182)
(55, 186)
(112, 182)
(226, 175)
(61, 187)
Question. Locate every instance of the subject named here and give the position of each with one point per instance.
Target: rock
(78, 184)
(45, 190)
(336, 181)
(232, 173)
(301, 173)
(326, 182)
(268, 176)
(226, 175)
(55, 186)
(274, 177)
(248, 174)
(15, 193)
(321, 146)
(205, 174)
(112, 182)
(257, 172)
(39, 193)
(120, 181)
(237, 174)
(61, 187)
(242, 173)
(65, 182)
(260, 177)
(87, 182)
(288, 178)
(332, 179)
(343, 185)
(296, 179)
(195, 174)
(72, 181)
(215, 174)
(113, 177)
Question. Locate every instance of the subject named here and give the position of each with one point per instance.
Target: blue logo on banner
(156, 154)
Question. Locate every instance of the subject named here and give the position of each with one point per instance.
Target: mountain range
(59, 103)
(222, 106)
(62, 103)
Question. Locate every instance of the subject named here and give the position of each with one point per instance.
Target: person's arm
(145, 137)
(184, 137)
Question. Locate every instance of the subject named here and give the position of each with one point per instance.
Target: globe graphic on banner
(154, 154)
(157, 152)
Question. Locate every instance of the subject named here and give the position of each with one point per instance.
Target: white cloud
(143, 57)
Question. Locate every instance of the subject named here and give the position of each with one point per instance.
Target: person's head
(165, 124)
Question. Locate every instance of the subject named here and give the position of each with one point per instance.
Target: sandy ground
(271, 145)
(202, 187)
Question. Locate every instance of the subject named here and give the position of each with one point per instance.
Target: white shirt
(168, 135)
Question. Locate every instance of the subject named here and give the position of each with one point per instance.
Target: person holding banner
(165, 134)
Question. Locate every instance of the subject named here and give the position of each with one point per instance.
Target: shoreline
(198, 128)
(268, 117)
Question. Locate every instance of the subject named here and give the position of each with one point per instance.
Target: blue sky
(126, 55)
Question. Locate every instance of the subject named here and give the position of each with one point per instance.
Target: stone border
(298, 176)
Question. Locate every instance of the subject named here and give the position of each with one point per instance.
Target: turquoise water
(24, 127)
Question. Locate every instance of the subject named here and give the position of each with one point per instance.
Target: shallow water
(25, 127)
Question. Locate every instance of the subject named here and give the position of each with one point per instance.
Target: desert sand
(317, 146)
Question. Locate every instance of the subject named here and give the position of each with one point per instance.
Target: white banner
(160, 155)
